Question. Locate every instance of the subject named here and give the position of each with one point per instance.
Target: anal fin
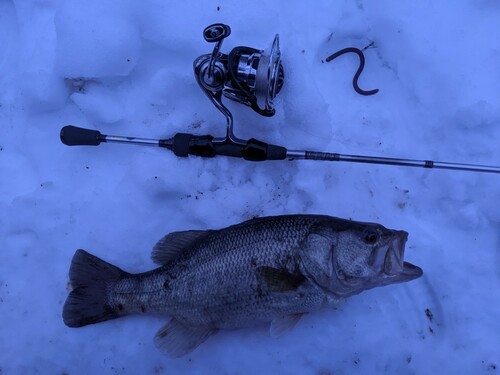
(280, 326)
(176, 339)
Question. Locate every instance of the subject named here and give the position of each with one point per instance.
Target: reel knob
(216, 32)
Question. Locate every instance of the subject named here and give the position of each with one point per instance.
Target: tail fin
(90, 278)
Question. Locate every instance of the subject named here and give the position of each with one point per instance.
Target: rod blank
(328, 156)
(132, 140)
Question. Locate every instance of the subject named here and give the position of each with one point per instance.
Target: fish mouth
(411, 271)
(395, 267)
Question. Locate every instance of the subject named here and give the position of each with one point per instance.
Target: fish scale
(220, 276)
(263, 270)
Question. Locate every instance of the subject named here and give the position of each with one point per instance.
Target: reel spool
(246, 75)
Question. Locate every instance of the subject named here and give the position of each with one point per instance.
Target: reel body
(246, 75)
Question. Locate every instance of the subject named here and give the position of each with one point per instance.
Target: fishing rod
(251, 77)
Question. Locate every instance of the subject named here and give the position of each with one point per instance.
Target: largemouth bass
(271, 269)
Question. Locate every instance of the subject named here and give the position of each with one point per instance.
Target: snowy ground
(126, 68)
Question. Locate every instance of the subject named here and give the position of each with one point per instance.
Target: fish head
(360, 256)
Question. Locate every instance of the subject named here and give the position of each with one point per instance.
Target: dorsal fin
(170, 246)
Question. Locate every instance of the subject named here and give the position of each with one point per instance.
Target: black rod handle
(75, 136)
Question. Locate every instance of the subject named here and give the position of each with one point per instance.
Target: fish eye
(371, 237)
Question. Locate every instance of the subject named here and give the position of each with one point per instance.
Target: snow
(125, 68)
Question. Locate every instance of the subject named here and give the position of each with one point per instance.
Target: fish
(265, 270)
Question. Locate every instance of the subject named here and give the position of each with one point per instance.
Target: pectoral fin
(280, 326)
(279, 280)
(170, 246)
(176, 339)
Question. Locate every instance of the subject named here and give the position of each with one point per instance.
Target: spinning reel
(247, 75)
(252, 77)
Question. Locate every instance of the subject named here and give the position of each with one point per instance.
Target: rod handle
(75, 136)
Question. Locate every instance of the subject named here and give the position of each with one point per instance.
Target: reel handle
(75, 136)
(216, 32)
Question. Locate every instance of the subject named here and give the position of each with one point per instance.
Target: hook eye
(216, 32)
